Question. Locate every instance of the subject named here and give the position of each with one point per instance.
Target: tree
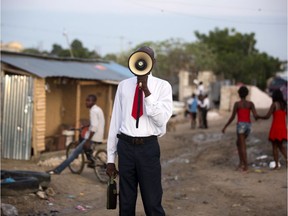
(77, 48)
(56, 50)
(202, 57)
(79, 51)
(32, 51)
(110, 57)
(174, 55)
(237, 58)
(226, 52)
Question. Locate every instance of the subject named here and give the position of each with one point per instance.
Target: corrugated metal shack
(42, 96)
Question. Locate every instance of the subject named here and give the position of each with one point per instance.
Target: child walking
(242, 108)
(278, 130)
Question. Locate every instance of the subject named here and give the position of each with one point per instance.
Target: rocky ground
(199, 178)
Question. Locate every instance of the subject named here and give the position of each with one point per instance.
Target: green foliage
(58, 51)
(226, 52)
(32, 51)
(237, 58)
(174, 55)
(111, 57)
(77, 51)
(202, 57)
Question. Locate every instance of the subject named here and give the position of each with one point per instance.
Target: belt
(97, 143)
(136, 140)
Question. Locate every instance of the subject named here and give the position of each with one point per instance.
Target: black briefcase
(111, 194)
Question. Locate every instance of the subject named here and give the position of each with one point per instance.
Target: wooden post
(77, 117)
(39, 116)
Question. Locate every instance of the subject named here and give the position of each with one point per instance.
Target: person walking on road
(278, 130)
(242, 108)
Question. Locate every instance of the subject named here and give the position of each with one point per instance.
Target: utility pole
(69, 45)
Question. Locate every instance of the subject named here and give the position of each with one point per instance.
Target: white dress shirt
(200, 90)
(157, 110)
(97, 123)
(205, 104)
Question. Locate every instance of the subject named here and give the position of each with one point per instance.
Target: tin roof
(65, 67)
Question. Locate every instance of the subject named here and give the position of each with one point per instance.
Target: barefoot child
(278, 130)
(242, 108)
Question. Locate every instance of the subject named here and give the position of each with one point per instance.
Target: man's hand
(143, 80)
(111, 170)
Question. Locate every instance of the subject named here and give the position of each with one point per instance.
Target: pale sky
(112, 26)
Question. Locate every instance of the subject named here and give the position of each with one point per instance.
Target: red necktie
(137, 109)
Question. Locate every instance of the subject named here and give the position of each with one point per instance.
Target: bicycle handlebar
(79, 129)
(72, 129)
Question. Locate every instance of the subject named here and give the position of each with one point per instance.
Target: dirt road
(199, 178)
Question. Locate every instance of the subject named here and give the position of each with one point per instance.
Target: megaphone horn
(140, 63)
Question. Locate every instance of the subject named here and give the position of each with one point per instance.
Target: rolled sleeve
(160, 110)
(114, 128)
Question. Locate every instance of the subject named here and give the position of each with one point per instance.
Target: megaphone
(140, 63)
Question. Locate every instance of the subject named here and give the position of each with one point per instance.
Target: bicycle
(99, 156)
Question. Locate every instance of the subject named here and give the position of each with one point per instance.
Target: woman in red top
(242, 108)
(278, 130)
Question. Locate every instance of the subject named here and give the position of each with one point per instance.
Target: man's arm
(115, 124)
(112, 136)
(158, 109)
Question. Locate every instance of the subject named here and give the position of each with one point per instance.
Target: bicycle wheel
(77, 165)
(100, 168)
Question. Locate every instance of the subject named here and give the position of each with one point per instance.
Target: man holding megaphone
(142, 108)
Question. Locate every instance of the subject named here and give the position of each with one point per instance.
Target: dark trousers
(77, 151)
(204, 118)
(139, 164)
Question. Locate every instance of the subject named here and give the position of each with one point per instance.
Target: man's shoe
(91, 164)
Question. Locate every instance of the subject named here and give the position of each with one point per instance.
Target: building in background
(12, 46)
(42, 96)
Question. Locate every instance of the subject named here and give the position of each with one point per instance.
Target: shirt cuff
(149, 99)
(111, 158)
(93, 128)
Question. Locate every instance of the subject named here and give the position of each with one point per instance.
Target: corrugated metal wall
(17, 112)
